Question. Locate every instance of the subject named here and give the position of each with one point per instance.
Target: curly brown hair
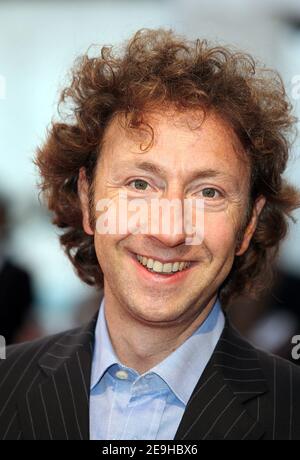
(154, 68)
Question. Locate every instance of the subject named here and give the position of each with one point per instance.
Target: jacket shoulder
(277, 368)
(281, 404)
(27, 367)
(23, 357)
(273, 366)
(267, 385)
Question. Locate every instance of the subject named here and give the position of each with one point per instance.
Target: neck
(142, 346)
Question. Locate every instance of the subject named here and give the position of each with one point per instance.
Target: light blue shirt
(127, 405)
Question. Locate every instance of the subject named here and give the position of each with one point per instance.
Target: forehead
(178, 141)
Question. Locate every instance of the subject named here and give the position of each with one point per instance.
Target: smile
(155, 266)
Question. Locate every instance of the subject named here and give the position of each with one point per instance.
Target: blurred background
(39, 40)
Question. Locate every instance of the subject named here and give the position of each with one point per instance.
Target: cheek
(105, 244)
(100, 250)
(219, 233)
(109, 251)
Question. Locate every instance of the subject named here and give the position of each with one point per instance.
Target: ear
(257, 208)
(83, 188)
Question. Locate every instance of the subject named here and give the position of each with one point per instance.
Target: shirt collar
(182, 369)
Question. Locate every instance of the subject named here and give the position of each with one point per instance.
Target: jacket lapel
(217, 408)
(57, 405)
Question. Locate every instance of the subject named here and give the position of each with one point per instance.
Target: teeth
(175, 267)
(150, 263)
(167, 268)
(157, 267)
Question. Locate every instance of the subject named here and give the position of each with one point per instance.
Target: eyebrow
(197, 174)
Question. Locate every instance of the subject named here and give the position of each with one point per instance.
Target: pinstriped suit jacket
(243, 393)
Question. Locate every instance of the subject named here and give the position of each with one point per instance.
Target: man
(168, 120)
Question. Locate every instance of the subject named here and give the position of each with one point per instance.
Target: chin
(155, 312)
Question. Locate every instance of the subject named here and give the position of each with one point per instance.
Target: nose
(167, 219)
(168, 240)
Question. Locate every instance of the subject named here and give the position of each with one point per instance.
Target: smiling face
(181, 163)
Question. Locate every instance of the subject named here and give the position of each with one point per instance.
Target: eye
(210, 192)
(139, 184)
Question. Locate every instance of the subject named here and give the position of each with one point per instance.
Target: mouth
(163, 268)
(156, 270)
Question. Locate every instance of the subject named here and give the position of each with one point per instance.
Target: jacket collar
(217, 408)
(57, 406)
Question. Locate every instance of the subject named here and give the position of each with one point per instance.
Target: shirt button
(122, 375)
